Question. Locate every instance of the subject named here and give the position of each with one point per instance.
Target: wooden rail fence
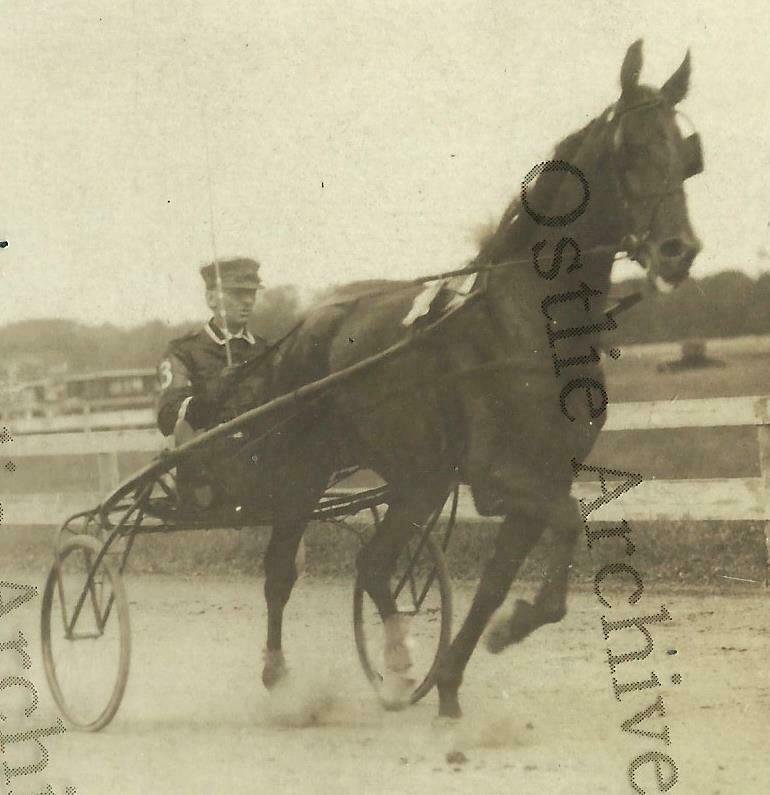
(695, 499)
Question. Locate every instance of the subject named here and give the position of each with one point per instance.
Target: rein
(629, 245)
(493, 266)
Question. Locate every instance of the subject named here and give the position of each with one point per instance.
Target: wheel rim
(85, 650)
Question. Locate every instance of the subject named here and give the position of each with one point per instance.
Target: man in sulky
(195, 376)
(202, 386)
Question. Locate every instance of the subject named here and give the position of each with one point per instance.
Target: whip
(217, 271)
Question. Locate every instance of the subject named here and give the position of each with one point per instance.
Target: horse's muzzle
(669, 262)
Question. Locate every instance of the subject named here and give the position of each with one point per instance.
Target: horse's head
(651, 160)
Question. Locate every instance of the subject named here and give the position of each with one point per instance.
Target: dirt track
(540, 718)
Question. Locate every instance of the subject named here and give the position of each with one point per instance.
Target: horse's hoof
(396, 691)
(523, 621)
(275, 669)
(497, 637)
(449, 707)
(514, 629)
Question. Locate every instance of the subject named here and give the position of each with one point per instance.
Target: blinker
(692, 155)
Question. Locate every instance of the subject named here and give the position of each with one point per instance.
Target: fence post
(109, 475)
(763, 441)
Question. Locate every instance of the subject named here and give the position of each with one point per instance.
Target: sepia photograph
(384, 397)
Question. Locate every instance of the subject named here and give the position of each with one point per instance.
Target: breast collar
(219, 337)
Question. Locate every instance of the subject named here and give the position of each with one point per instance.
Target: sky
(332, 141)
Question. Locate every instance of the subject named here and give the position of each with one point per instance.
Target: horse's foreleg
(551, 599)
(515, 539)
(281, 572)
(550, 603)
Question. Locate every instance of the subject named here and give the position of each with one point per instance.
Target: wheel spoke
(426, 588)
(107, 610)
(88, 590)
(412, 586)
(93, 585)
(414, 557)
(60, 591)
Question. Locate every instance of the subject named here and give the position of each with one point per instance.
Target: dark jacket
(190, 372)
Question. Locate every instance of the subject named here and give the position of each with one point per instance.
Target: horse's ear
(675, 88)
(632, 67)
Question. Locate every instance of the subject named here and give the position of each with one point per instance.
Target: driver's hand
(218, 389)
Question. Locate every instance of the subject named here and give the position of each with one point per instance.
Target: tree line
(83, 348)
(727, 304)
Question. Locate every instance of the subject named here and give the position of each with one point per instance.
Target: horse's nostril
(672, 248)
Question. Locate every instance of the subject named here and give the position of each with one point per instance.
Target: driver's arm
(179, 400)
(176, 392)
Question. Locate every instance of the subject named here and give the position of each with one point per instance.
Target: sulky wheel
(422, 589)
(85, 633)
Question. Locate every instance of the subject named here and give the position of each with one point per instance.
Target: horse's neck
(575, 295)
(543, 297)
(521, 237)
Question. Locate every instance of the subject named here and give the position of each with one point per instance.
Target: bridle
(692, 158)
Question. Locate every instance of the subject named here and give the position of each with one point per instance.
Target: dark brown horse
(507, 393)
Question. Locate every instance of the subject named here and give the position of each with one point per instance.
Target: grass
(704, 553)
(635, 375)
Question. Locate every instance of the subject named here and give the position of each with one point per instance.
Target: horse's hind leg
(550, 603)
(280, 575)
(281, 568)
(376, 563)
(516, 536)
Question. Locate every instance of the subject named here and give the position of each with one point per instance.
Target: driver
(196, 380)
(194, 375)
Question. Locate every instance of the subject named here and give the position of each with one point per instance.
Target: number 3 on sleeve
(165, 375)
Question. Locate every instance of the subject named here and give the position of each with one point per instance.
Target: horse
(506, 396)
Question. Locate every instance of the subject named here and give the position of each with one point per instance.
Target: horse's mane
(542, 192)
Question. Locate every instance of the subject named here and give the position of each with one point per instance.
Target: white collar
(243, 334)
